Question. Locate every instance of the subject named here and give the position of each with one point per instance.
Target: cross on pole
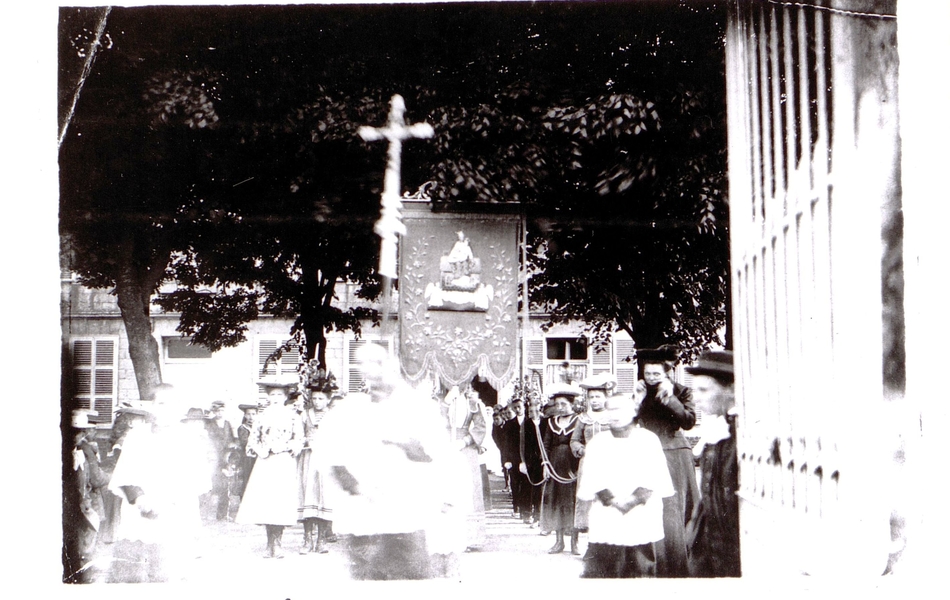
(389, 225)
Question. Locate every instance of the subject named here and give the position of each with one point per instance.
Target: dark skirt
(606, 561)
(557, 501)
(671, 551)
(388, 556)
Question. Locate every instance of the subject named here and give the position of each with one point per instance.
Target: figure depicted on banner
(459, 286)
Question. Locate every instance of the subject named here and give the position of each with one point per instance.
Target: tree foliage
(218, 147)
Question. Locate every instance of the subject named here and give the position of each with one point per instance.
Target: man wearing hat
(666, 408)
(713, 530)
(83, 510)
(532, 465)
(511, 457)
(223, 439)
(625, 479)
(242, 461)
(497, 436)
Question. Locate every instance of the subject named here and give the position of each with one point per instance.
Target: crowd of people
(634, 492)
(399, 478)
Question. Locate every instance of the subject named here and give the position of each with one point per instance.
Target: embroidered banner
(458, 296)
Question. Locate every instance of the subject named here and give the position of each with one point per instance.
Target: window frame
(94, 399)
(166, 344)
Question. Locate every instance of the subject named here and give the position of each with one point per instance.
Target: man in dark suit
(713, 531)
(511, 456)
(531, 465)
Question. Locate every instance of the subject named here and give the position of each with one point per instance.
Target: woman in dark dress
(557, 504)
(666, 409)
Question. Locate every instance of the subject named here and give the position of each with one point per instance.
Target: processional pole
(390, 226)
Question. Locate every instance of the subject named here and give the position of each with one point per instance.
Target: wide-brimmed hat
(82, 418)
(246, 407)
(132, 409)
(600, 381)
(564, 389)
(277, 382)
(659, 355)
(195, 414)
(716, 363)
(137, 412)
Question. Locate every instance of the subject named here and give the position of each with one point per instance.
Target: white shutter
(284, 367)
(626, 370)
(264, 349)
(94, 376)
(354, 379)
(600, 361)
(534, 353)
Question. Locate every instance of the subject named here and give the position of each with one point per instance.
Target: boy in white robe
(625, 476)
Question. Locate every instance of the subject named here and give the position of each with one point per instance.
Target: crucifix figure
(389, 224)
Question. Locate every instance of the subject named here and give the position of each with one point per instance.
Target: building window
(567, 348)
(181, 349)
(94, 371)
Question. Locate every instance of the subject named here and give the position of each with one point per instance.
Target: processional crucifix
(389, 225)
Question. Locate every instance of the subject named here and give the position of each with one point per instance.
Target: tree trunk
(316, 341)
(134, 296)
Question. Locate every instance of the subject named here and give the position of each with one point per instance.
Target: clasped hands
(145, 507)
(624, 505)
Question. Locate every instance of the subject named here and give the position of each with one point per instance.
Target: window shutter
(354, 379)
(289, 361)
(265, 349)
(626, 370)
(601, 359)
(94, 377)
(534, 353)
(284, 367)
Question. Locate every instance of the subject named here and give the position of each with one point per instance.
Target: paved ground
(229, 548)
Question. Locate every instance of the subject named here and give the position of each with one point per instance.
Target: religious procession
(398, 483)
(341, 304)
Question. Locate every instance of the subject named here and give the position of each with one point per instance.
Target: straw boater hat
(135, 411)
(276, 382)
(564, 389)
(195, 414)
(600, 381)
(82, 418)
(715, 363)
(247, 407)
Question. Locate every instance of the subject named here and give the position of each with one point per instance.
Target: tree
(125, 189)
(237, 171)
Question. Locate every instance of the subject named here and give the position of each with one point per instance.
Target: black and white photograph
(478, 296)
